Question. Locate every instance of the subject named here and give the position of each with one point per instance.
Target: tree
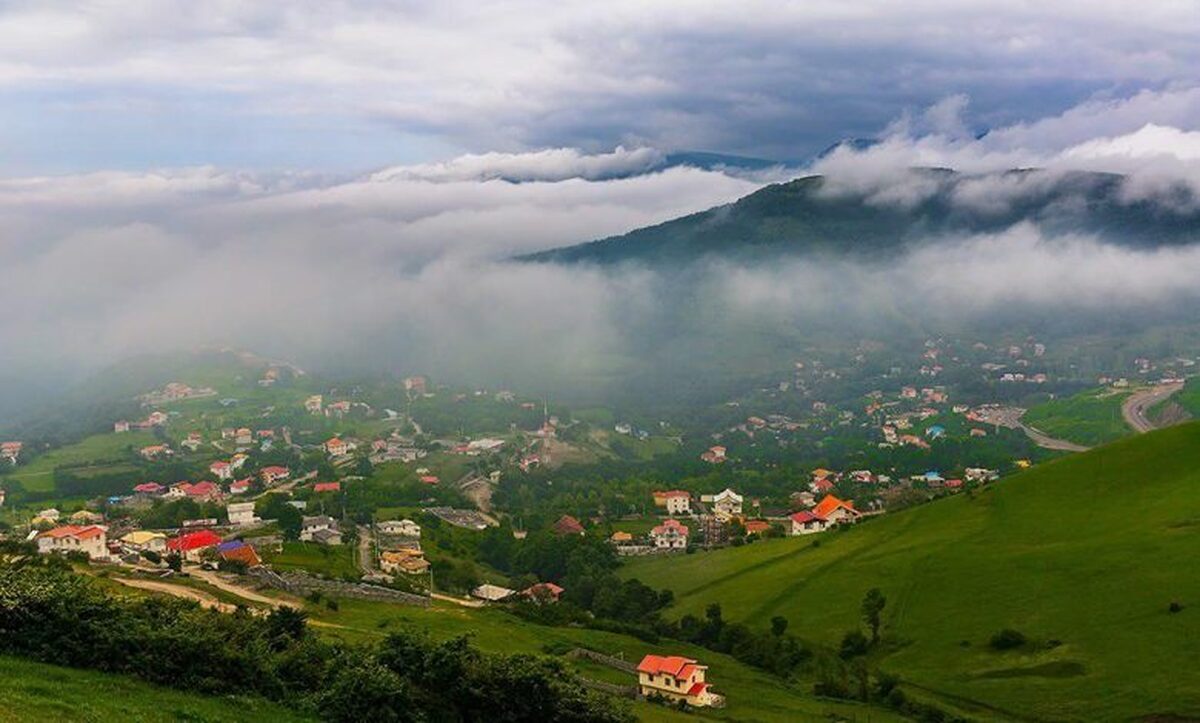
(779, 626)
(872, 611)
(854, 644)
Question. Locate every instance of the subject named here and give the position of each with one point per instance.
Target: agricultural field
(336, 561)
(1050, 553)
(100, 453)
(34, 692)
(1090, 417)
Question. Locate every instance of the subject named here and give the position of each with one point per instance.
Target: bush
(1007, 639)
(1175, 607)
(854, 644)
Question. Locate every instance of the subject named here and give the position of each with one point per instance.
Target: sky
(324, 179)
(355, 85)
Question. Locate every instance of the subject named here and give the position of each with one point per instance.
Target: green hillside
(805, 215)
(1090, 417)
(1083, 555)
(35, 692)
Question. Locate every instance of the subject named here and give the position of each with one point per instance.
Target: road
(1045, 441)
(221, 583)
(1137, 404)
(188, 593)
(366, 555)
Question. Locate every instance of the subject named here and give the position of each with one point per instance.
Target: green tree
(872, 611)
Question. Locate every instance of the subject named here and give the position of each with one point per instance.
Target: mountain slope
(806, 215)
(1083, 555)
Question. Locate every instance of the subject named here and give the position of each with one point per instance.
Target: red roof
(673, 493)
(549, 587)
(822, 485)
(830, 503)
(429, 479)
(696, 689)
(568, 525)
(671, 665)
(201, 489)
(803, 517)
(82, 533)
(148, 487)
(194, 541)
(668, 525)
(753, 526)
(275, 471)
(327, 487)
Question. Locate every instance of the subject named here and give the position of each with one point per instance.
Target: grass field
(109, 452)
(752, 695)
(336, 561)
(34, 693)
(1091, 417)
(1087, 551)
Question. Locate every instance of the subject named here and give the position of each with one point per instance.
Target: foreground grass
(34, 692)
(751, 694)
(1083, 555)
(1091, 417)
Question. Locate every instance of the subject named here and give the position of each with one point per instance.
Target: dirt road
(1140, 402)
(206, 600)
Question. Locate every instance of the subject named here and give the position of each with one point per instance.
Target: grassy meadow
(1090, 417)
(1083, 555)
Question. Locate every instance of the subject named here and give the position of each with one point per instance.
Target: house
(327, 487)
(191, 545)
(240, 487)
(400, 528)
(714, 455)
(670, 535)
(222, 470)
(320, 528)
(336, 447)
(238, 461)
(835, 511)
(85, 517)
(676, 502)
(804, 498)
(935, 431)
(46, 518)
(241, 513)
(757, 527)
(312, 405)
(92, 540)
(156, 419)
(192, 442)
(243, 436)
(621, 538)
(407, 561)
(806, 523)
(675, 678)
(140, 540)
(416, 385)
(120, 427)
(154, 451)
(727, 503)
(203, 491)
(567, 525)
(271, 475)
(492, 593)
(337, 409)
(239, 551)
(543, 592)
(820, 486)
(428, 479)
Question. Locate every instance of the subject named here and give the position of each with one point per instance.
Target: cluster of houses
(93, 541)
(156, 418)
(399, 545)
(10, 451)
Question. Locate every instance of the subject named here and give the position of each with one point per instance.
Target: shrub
(1175, 607)
(854, 644)
(1007, 639)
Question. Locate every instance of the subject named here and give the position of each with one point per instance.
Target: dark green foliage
(854, 644)
(1007, 639)
(49, 613)
(872, 610)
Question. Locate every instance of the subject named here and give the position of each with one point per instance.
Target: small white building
(241, 513)
(670, 535)
(402, 528)
(727, 503)
(676, 502)
(91, 540)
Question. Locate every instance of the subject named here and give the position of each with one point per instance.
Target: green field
(108, 452)
(336, 561)
(752, 694)
(1189, 396)
(33, 693)
(1091, 417)
(1082, 555)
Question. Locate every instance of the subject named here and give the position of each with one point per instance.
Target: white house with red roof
(670, 535)
(677, 679)
(828, 512)
(676, 502)
(337, 447)
(273, 474)
(222, 469)
(806, 523)
(91, 540)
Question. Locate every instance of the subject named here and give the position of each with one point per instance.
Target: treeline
(53, 615)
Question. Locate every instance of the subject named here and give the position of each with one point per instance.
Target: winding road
(1137, 404)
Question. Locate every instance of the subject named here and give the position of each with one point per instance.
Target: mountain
(810, 215)
(1083, 555)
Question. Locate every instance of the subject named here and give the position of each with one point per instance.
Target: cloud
(282, 82)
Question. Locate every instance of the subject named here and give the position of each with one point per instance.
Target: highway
(1135, 407)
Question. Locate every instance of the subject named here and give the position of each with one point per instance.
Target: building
(835, 511)
(154, 451)
(273, 474)
(191, 545)
(241, 513)
(727, 503)
(322, 529)
(416, 385)
(92, 540)
(543, 592)
(621, 538)
(677, 679)
(140, 540)
(806, 523)
(10, 451)
(568, 525)
(337, 447)
(222, 470)
(312, 405)
(670, 535)
(714, 455)
(120, 427)
(492, 593)
(407, 561)
(239, 551)
(399, 528)
(327, 487)
(676, 502)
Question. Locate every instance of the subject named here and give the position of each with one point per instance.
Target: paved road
(1137, 404)
(1045, 441)
(366, 555)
